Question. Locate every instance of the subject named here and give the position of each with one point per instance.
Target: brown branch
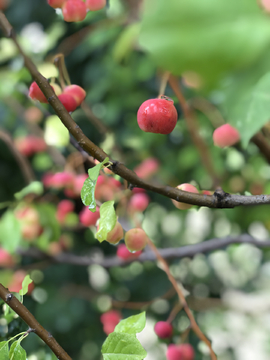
(219, 199)
(182, 299)
(194, 133)
(33, 324)
(168, 253)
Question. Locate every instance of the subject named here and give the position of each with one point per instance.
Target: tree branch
(168, 254)
(219, 199)
(33, 324)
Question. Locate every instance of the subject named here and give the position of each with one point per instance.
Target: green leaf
(132, 325)
(88, 189)
(16, 352)
(119, 346)
(26, 281)
(4, 350)
(10, 232)
(107, 220)
(257, 111)
(50, 224)
(126, 41)
(35, 187)
(210, 38)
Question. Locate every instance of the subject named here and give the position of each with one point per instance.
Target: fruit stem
(59, 61)
(163, 83)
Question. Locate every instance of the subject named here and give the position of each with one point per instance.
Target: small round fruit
(163, 329)
(138, 202)
(116, 234)
(157, 116)
(185, 187)
(74, 10)
(89, 218)
(76, 92)
(135, 239)
(68, 101)
(125, 254)
(225, 135)
(94, 5)
(36, 94)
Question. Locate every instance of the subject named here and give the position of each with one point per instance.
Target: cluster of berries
(164, 330)
(71, 97)
(76, 10)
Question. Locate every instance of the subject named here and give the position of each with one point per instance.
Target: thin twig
(168, 254)
(33, 324)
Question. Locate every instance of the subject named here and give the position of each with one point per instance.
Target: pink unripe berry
(36, 94)
(157, 116)
(33, 115)
(56, 3)
(6, 260)
(163, 329)
(116, 234)
(76, 92)
(64, 207)
(109, 320)
(225, 135)
(61, 179)
(74, 10)
(180, 352)
(30, 145)
(138, 202)
(135, 239)
(124, 253)
(266, 5)
(68, 101)
(94, 5)
(16, 283)
(147, 168)
(185, 187)
(89, 218)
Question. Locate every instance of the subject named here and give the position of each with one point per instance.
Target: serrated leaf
(10, 231)
(16, 352)
(207, 37)
(107, 220)
(88, 189)
(258, 110)
(35, 187)
(120, 346)
(4, 350)
(132, 325)
(26, 282)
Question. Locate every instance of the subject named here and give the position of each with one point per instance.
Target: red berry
(135, 239)
(94, 5)
(180, 352)
(185, 187)
(109, 320)
(56, 3)
(124, 253)
(76, 92)
(6, 260)
(16, 282)
(68, 101)
(138, 202)
(74, 10)
(157, 116)
(163, 329)
(89, 218)
(64, 207)
(147, 168)
(36, 94)
(225, 135)
(59, 180)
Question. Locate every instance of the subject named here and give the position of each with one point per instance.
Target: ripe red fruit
(89, 218)
(56, 3)
(64, 207)
(123, 252)
(16, 283)
(30, 145)
(116, 234)
(157, 116)
(185, 187)
(147, 168)
(76, 92)
(6, 260)
(135, 239)
(138, 202)
(94, 5)
(225, 135)
(74, 10)
(59, 180)
(180, 352)
(163, 329)
(36, 94)
(68, 101)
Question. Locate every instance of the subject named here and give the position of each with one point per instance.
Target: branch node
(220, 195)
(9, 297)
